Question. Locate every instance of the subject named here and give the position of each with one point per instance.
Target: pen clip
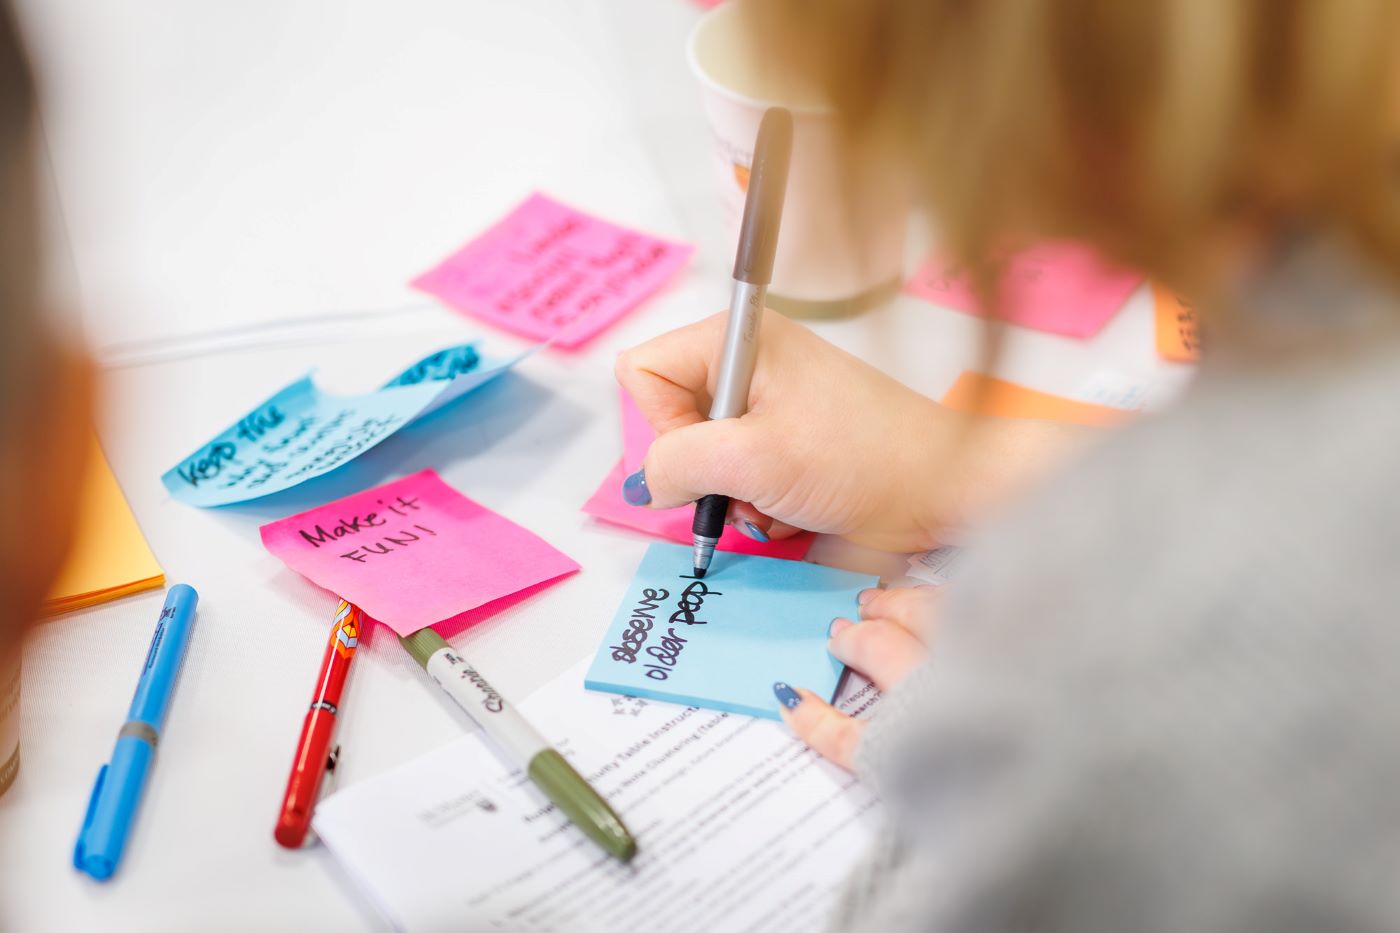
(332, 776)
(87, 817)
(329, 780)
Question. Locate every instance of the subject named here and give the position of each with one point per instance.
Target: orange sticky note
(987, 395)
(1177, 336)
(110, 556)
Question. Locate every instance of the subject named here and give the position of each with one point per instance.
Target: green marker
(551, 773)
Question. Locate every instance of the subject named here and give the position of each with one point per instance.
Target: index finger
(669, 376)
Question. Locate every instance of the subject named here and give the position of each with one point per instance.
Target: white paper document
(937, 566)
(739, 826)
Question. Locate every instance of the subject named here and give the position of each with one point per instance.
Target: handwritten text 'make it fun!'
(403, 507)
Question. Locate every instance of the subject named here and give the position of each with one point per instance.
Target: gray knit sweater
(1166, 693)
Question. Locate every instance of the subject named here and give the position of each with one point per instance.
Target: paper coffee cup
(9, 719)
(841, 246)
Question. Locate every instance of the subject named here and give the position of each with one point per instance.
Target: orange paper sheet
(110, 556)
(987, 395)
(1177, 336)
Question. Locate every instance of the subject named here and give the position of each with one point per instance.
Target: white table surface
(245, 189)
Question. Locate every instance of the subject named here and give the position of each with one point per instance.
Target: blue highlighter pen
(117, 794)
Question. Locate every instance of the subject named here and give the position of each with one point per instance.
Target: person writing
(1160, 696)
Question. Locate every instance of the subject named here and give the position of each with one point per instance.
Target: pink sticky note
(1062, 288)
(413, 552)
(672, 524)
(547, 271)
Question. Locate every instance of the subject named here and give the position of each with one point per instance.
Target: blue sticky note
(302, 432)
(721, 642)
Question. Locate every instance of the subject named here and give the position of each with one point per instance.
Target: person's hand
(885, 646)
(829, 443)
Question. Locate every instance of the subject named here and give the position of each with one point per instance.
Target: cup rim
(708, 80)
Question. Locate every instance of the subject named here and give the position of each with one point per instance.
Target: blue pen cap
(162, 666)
(112, 807)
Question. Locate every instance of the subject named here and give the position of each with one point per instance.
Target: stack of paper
(739, 826)
(110, 556)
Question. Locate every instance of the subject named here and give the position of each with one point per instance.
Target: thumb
(829, 732)
(699, 459)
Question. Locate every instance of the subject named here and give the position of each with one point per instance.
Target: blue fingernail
(755, 532)
(634, 489)
(786, 695)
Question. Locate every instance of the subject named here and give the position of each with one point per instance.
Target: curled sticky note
(302, 432)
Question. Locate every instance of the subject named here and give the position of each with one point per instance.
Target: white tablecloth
(245, 190)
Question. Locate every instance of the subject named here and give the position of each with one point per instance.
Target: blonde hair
(1145, 127)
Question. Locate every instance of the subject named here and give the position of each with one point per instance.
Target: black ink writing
(209, 464)
(346, 526)
(491, 701)
(667, 652)
(388, 544)
(635, 635)
(691, 601)
(253, 427)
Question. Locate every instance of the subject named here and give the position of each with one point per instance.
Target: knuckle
(908, 606)
(846, 644)
(873, 645)
(627, 363)
(659, 467)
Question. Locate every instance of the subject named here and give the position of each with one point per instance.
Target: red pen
(314, 754)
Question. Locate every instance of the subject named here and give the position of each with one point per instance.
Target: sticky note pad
(607, 503)
(721, 642)
(987, 395)
(109, 557)
(413, 552)
(550, 272)
(1061, 288)
(302, 432)
(1177, 336)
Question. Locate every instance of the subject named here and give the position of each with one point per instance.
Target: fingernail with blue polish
(634, 489)
(755, 532)
(786, 695)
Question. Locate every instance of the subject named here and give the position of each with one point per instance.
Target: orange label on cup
(1177, 336)
(741, 175)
